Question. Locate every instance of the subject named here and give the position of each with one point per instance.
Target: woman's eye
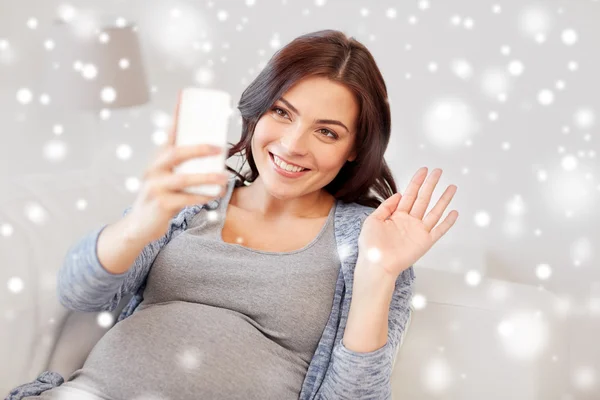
(276, 109)
(327, 130)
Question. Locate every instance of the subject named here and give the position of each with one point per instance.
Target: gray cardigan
(334, 372)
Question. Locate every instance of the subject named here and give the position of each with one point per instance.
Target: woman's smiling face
(312, 125)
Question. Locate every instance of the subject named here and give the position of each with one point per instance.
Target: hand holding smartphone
(195, 148)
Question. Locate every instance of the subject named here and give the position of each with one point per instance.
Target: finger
(173, 131)
(442, 228)
(387, 208)
(409, 196)
(433, 216)
(173, 157)
(424, 197)
(177, 182)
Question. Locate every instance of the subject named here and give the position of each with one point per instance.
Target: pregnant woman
(294, 283)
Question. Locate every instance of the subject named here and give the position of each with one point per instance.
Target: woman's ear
(352, 156)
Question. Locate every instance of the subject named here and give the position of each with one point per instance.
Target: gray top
(219, 320)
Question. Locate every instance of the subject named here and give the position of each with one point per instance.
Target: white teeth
(287, 167)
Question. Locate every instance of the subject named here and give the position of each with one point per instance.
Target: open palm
(396, 235)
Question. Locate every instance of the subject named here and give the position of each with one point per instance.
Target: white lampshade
(101, 71)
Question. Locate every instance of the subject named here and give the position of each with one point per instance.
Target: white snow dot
(24, 96)
(584, 378)
(373, 254)
(569, 37)
(89, 71)
(6, 230)
(419, 301)
(15, 284)
(462, 68)
(45, 99)
(584, 118)
(32, 23)
(49, 44)
(275, 43)
(124, 63)
(204, 76)
(104, 114)
(534, 20)
(545, 97)
(124, 152)
(81, 204)
(105, 319)
(540, 38)
(515, 67)
(55, 150)
(108, 94)
(543, 271)
(212, 215)
(482, 218)
(133, 184)
(473, 278)
(104, 37)
(66, 12)
(506, 328)
(190, 358)
(573, 66)
(391, 13)
(222, 15)
(569, 162)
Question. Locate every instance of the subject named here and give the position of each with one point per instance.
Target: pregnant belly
(181, 350)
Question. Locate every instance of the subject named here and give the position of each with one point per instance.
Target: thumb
(387, 208)
(172, 137)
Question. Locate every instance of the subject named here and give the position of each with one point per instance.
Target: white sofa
(41, 216)
(455, 334)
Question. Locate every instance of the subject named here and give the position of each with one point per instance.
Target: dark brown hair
(330, 54)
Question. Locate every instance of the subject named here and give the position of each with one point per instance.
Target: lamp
(89, 73)
(103, 71)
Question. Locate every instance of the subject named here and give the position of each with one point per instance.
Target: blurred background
(502, 95)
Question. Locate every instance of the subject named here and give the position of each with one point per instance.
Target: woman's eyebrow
(318, 121)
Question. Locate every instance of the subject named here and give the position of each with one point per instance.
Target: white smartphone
(203, 118)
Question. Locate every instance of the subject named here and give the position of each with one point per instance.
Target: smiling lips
(287, 162)
(285, 173)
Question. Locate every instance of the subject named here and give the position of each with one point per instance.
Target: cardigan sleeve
(367, 376)
(83, 284)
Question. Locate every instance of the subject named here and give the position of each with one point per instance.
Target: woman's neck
(255, 199)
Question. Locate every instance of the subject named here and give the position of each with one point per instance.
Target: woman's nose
(295, 141)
